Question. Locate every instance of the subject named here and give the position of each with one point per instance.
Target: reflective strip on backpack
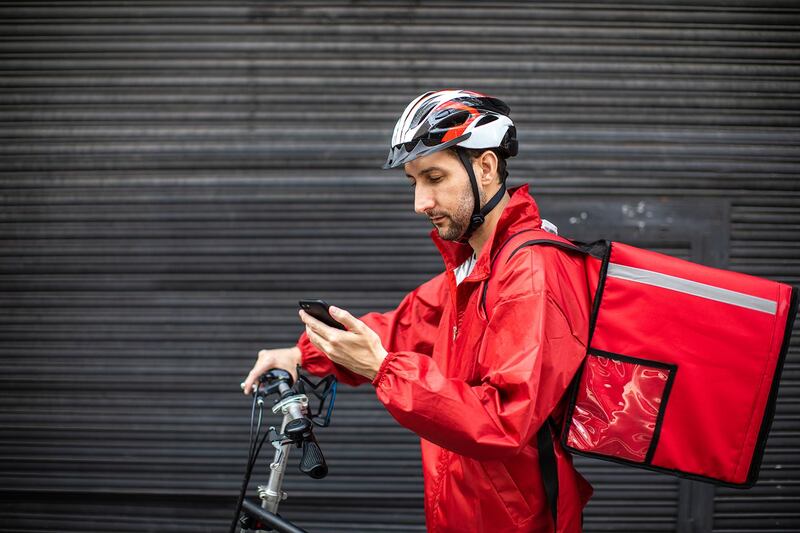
(665, 281)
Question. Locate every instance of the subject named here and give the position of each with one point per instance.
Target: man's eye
(434, 179)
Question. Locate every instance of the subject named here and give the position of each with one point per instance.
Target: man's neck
(482, 234)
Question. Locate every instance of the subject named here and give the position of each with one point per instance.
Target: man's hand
(359, 349)
(285, 358)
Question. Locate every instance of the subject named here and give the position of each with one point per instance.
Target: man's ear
(487, 162)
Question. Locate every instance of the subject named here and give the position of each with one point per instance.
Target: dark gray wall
(174, 175)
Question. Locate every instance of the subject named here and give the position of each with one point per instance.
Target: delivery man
(475, 361)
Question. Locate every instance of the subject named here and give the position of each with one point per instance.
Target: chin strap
(478, 214)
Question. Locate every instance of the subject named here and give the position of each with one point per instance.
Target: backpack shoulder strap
(517, 241)
(548, 463)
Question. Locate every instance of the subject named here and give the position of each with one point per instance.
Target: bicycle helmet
(461, 119)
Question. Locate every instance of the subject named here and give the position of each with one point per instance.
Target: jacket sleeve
(411, 327)
(531, 354)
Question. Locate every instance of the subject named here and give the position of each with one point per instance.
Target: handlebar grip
(313, 463)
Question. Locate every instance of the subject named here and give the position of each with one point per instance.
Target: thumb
(348, 320)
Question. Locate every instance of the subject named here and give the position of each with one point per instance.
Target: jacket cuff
(379, 377)
(309, 355)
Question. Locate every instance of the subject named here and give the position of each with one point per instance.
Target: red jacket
(476, 389)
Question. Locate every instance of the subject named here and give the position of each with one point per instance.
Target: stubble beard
(460, 218)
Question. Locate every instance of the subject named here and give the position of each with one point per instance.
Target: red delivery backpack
(683, 362)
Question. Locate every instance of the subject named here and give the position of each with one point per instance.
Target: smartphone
(319, 310)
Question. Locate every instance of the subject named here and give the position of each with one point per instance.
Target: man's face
(442, 192)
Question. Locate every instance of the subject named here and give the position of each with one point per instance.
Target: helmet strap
(478, 214)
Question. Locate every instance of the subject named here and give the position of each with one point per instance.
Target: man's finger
(248, 383)
(317, 326)
(312, 337)
(317, 340)
(346, 319)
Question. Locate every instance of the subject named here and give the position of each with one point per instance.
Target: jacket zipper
(454, 301)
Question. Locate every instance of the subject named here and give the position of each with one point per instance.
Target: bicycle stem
(293, 407)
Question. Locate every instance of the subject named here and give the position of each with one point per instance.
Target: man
(475, 361)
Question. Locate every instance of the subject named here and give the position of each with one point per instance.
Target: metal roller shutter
(174, 175)
(764, 243)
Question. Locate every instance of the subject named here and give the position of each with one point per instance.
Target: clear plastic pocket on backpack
(618, 406)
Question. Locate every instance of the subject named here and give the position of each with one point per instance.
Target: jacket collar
(520, 213)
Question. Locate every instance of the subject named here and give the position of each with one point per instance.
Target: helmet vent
(451, 119)
(421, 113)
(485, 120)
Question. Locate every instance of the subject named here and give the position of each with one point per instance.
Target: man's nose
(423, 200)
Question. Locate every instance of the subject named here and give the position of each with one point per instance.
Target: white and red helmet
(461, 119)
(440, 119)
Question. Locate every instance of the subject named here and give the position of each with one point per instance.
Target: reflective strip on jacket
(476, 389)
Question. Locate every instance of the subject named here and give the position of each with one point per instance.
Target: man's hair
(475, 153)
